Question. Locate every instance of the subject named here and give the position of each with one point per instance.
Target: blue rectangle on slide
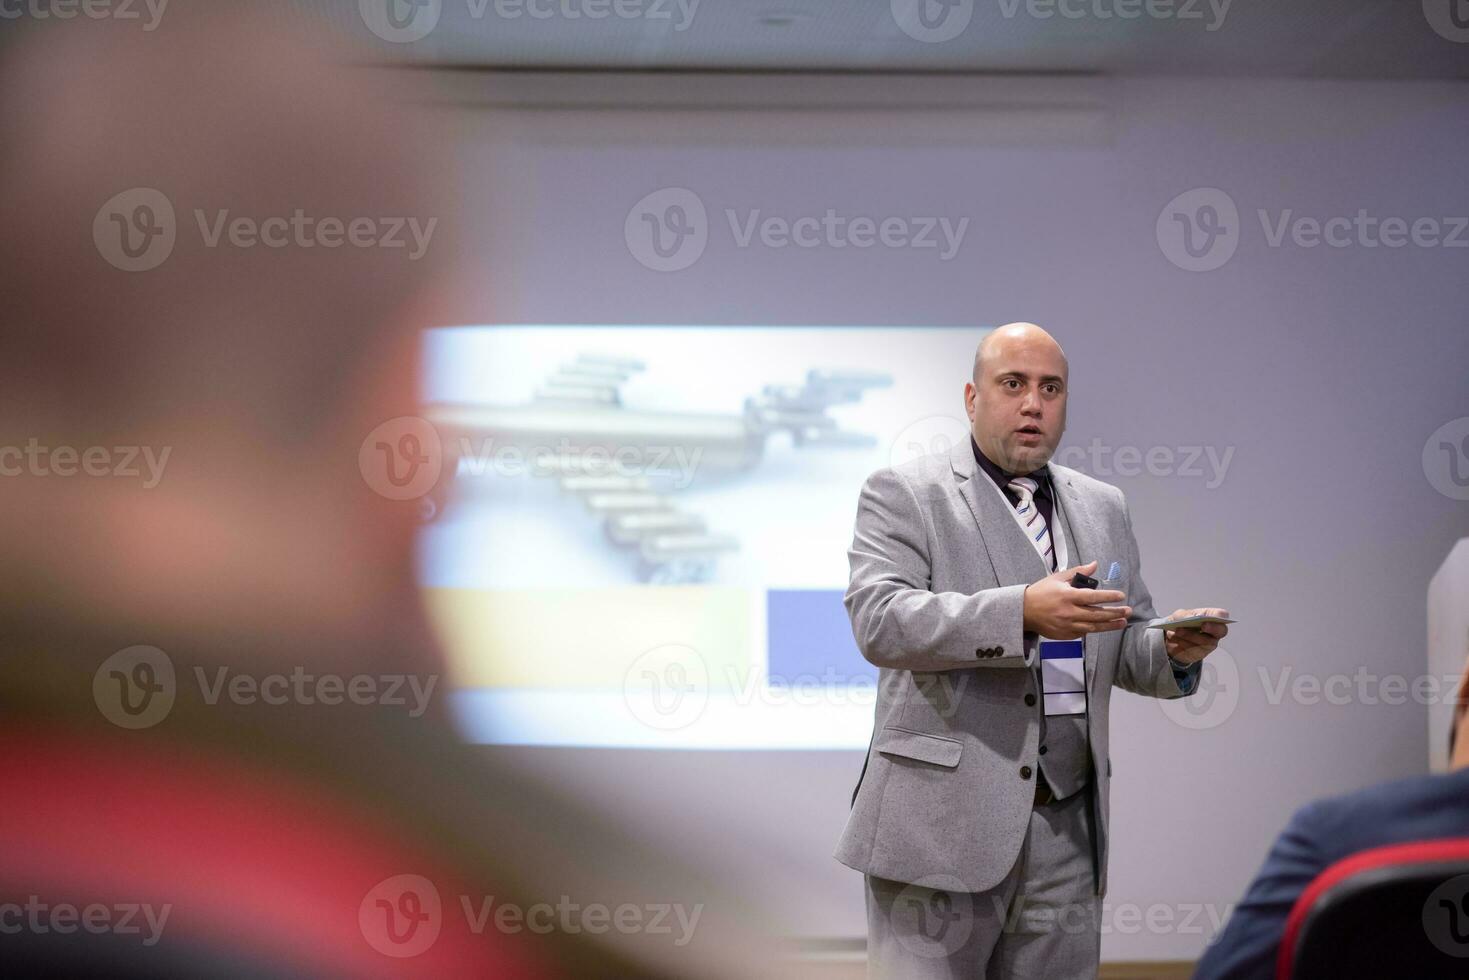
(809, 639)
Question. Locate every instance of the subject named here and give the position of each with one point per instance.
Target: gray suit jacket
(938, 574)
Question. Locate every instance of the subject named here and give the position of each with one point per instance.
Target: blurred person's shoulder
(1403, 810)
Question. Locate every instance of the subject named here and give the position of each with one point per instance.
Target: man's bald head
(1020, 333)
(1017, 399)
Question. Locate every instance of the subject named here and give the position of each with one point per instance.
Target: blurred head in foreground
(248, 350)
(222, 704)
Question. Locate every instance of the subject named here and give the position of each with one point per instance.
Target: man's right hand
(1054, 609)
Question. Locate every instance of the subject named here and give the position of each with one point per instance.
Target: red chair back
(1400, 910)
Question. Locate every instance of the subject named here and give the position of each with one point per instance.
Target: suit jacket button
(1043, 750)
(999, 651)
(979, 652)
(1025, 772)
(1030, 700)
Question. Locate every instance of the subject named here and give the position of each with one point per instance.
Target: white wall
(1324, 370)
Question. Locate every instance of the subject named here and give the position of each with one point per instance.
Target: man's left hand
(1189, 646)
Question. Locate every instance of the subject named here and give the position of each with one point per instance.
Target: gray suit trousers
(1042, 920)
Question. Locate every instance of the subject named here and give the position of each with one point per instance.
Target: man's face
(1017, 406)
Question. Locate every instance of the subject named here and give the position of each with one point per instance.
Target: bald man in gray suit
(980, 820)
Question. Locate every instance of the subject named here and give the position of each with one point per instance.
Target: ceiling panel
(1292, 38)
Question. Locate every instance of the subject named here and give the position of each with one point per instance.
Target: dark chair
(1396, 911)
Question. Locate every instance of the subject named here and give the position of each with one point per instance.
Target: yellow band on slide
(589, 639)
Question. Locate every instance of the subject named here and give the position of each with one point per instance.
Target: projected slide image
(640, 535)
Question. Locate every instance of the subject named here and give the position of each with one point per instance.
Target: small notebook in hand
(1191, 623)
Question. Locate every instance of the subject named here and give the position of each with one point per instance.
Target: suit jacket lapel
(1013, 558)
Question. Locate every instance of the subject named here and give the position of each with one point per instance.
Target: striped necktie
(1032, 521)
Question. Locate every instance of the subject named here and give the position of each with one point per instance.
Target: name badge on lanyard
(1063, 662)
(1063, 677)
